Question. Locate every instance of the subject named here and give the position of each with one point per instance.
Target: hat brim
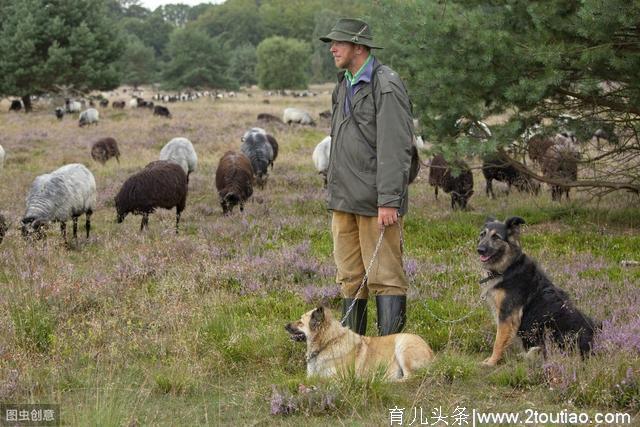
(339, 36)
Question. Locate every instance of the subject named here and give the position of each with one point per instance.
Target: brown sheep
(234, 180)
(537, 146)
(161, 184)
(104, 149)
(560, 162)
(460, 186)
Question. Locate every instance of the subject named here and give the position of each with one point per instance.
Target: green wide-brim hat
(353, 31)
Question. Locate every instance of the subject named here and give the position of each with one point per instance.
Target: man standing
(367, 179)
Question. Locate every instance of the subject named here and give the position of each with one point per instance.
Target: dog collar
(492, 275)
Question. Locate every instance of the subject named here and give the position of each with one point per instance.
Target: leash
(366, 276)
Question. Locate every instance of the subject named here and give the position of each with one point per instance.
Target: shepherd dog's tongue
(484, 258)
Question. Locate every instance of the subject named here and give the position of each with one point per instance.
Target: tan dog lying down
(333, 348)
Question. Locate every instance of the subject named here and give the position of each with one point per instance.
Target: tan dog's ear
(317, 317)
(513, 228)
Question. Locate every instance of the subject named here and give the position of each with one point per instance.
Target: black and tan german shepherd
(523, 299)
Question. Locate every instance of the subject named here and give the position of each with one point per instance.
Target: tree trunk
(26, 101)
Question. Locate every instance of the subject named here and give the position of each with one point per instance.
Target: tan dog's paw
(489, 362)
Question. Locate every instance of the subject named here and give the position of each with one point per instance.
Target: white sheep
(296, 115)
(181, 151)
(63, 194)
(88, 117)
(1, 157)
(321, 157)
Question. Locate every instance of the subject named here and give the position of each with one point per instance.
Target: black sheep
(160, 110)
(460, 186)
(496, 166)
(257, 148)
(104, 149)
(234, 180)
(59, 113)
(16, 105)
(161, 184)
(269, 118)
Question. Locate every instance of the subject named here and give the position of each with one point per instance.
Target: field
(153, 328)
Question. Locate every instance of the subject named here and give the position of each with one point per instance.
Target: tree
(322, 65)
(176, 14)
(43, 46)
(283, 63)
(138, 62)
(533, 62)
(153, 30)
(242, 64)
(235, 22)
(197, 61)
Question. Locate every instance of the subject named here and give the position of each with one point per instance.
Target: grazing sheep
(496, 166)
(88, 117)
(133, 103)
(295, 115)
(118, 104)
(104, 149)
(72, 106)
(234, 180)
(460, 186)
(63, 194)
(326, 114)
(59, 113)
(256, 147)
(181, 151)
(560, 162)
(104, 103)
(161, 184)
(3, 227)
(16, 105)
(269, 118)
(160, 110)
(2, 155)
(320, 156)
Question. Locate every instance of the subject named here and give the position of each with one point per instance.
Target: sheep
(496, 166)
(295, 115)
(59, 112)
(161, 184)
(256, 147)
(537, 145)
(269, 118)
(2, 155)
(181, 151)
(16, 105)
(234, 180)
(320, 157)
(88, 117)
(104, 149)
(160, 110)
(560, 162)
(104, 103)
(3, 227)
(72, 106)
(270, 139)
(460, 186)
(118, 104)
(326, 114)
(63, 194)
(133, 103)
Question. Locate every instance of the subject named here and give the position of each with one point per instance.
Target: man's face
(343, 53)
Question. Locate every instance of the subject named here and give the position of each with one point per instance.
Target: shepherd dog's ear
(317, 317)
(513, 226)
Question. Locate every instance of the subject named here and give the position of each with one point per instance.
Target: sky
(152, 4)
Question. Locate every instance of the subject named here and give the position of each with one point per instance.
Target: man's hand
(387, 216)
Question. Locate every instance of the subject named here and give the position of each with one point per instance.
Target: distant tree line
(46, 45)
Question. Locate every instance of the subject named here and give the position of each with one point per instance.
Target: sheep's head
(33, 228)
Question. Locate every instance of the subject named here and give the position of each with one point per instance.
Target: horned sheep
(63, 194)
(161, 184)
(181, 151)
(234, 180)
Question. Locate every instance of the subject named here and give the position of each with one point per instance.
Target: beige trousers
(354, 241)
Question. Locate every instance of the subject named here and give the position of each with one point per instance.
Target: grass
(158, 329)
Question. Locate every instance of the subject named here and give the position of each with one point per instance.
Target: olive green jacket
(370, 148)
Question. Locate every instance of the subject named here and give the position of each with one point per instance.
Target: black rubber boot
(391, 313)
(357, 319)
